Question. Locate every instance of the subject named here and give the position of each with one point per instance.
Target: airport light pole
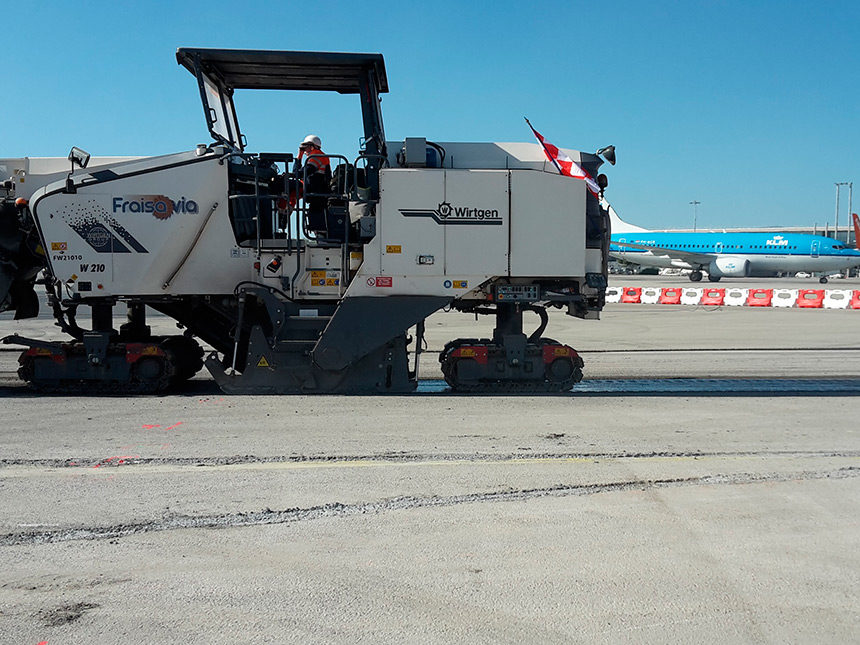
(695, 205)
(839, 185)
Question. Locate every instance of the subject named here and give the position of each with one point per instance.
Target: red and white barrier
(810, 298)
(631, 295)
(691, 296)
(670, 296)
(784, 298)
(737, 297)
(837, 298)
(759, 297)
(613, 294)
(650, 296)
(713, 297)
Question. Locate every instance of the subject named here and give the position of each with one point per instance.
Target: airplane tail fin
(856, 231)
(617, 224)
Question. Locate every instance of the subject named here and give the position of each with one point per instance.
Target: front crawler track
(515, 367)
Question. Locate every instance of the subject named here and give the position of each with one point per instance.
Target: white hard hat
(314, 139)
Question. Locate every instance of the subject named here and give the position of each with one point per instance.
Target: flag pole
(543, 145)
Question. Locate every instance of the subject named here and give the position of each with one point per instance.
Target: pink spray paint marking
(116, 461)
(147, 426)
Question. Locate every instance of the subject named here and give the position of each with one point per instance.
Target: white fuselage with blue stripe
(730, 254)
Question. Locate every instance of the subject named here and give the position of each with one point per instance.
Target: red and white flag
(564, 164)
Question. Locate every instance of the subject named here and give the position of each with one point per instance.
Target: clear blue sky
(749, 107)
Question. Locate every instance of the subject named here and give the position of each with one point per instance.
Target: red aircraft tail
(856, 231)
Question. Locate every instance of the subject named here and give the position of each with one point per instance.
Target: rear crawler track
(147, 367)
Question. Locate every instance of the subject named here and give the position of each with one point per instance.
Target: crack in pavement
(337, 509)
(406, 457)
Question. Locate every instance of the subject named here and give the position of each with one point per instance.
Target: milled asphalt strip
(637, 350)
(19, 348)
(336, 509)
(403, 457)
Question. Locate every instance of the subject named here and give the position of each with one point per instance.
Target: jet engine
(729, 266)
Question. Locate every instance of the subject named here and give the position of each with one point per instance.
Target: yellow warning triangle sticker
(262, 362)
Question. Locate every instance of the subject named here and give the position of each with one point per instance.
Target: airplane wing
(686, 256)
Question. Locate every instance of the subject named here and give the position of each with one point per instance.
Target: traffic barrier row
(737, 297)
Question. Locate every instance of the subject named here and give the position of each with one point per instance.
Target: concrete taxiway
(434, 518)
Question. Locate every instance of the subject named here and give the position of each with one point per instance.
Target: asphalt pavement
(200, 517)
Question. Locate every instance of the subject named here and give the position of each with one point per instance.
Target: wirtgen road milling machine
(298, 282)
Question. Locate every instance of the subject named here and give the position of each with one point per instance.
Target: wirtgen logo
(446, 214)
(160, 206)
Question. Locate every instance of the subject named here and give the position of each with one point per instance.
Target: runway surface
(700, 485)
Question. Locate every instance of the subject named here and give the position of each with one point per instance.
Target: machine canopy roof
(283, 70)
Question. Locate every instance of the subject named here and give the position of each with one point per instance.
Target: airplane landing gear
(823, 279)
(714, 278)
(696, 276)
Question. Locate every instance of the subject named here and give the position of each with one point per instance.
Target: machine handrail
(344, 262)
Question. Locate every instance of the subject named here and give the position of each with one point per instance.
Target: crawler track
(475, 374)
(64, 368)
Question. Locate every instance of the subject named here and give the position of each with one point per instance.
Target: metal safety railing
(289, 222)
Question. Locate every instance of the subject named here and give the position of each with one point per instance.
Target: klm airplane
(734, 255)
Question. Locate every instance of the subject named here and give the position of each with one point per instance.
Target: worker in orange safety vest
(317, 159)
(314, 179)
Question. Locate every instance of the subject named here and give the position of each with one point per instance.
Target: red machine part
(476, 352)
(136, 351)
(552, 352)
(56, 355)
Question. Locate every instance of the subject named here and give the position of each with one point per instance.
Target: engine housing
(730, 266)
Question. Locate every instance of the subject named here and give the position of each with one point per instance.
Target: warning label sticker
(380, 281)
(392, 248)
(263, 362)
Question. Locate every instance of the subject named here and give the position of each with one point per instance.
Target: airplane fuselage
(766, 253)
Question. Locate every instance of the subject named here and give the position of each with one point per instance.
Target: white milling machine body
(302, 284)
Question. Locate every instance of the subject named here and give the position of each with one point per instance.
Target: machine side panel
(80, 247)
(476, 230)
(406, 226)
(547, 225)
(144, 226)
